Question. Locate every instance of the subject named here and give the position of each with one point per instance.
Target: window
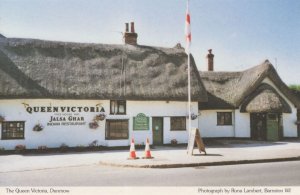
(116, 129)
(117, 107)
(224, 118)
(272, 117)
(178, 123)
(13, 129)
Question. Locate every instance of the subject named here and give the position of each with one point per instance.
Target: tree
(295, 87)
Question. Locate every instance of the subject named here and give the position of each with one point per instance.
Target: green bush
(295, 87)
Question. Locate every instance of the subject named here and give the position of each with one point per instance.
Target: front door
(258, 126)
(272, 127)
(157, 130)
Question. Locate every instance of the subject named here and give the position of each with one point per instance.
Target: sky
(241, 33)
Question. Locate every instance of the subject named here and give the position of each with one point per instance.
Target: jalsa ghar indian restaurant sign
(141, 122)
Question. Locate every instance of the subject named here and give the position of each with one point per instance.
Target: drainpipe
(233, 123)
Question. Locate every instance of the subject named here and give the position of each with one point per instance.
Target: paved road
(267, 174)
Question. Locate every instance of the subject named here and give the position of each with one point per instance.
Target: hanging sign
(141, 122)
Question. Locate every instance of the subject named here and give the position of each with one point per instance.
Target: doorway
(157, 130)
(258, 126)
(266, 126)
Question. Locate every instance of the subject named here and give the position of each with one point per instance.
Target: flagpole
(187, 49)
(189, 92)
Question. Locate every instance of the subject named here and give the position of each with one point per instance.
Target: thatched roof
(46, 69)
(265, 99)
(227, 90)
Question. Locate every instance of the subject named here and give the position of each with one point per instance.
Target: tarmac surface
(219, 152)
(222, 152)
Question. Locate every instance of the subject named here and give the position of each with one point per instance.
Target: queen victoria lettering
(35, 109)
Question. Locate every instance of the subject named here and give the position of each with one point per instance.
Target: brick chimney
(130, 37)
(210, 59)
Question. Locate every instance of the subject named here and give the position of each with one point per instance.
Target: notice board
(195, 136)
(141, 122)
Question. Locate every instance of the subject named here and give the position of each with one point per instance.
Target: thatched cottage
(76, 94)
(254, 103)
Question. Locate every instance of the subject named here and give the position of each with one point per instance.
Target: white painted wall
(289, 126)
(208, 124)
(180, 136)
(161, 109)
(54, 136)
(242, 124)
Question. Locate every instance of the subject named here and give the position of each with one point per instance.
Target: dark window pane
(178, 123)
(117, 107)
(224, 118)
(116, 129)
(13, 130)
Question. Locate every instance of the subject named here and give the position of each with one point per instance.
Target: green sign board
(141, 122)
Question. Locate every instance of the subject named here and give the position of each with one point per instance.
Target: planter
(193, 116)
(174, 142)
(93, 125)
(38, 127)
(100, 117)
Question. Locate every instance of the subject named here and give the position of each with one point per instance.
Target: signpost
(195, 136)
(141, 122)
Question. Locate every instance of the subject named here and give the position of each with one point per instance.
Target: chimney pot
(132, 27)
(210, 59)
(130, 37)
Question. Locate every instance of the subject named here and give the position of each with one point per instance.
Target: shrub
(295, 87)
(93, 143)
(63, 147)
(42, 148)
(20, 147)
(174, 142)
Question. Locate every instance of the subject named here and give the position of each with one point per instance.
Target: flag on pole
(188, 35)
(188, 38)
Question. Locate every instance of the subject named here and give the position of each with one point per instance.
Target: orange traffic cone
(132, 154)
(147, 150)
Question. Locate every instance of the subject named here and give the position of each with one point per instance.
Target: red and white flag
(188, 35)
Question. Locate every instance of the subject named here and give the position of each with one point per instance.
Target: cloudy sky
(242, 33)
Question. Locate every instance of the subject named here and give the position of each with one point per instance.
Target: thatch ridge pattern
(95, 71)
(265, 99)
